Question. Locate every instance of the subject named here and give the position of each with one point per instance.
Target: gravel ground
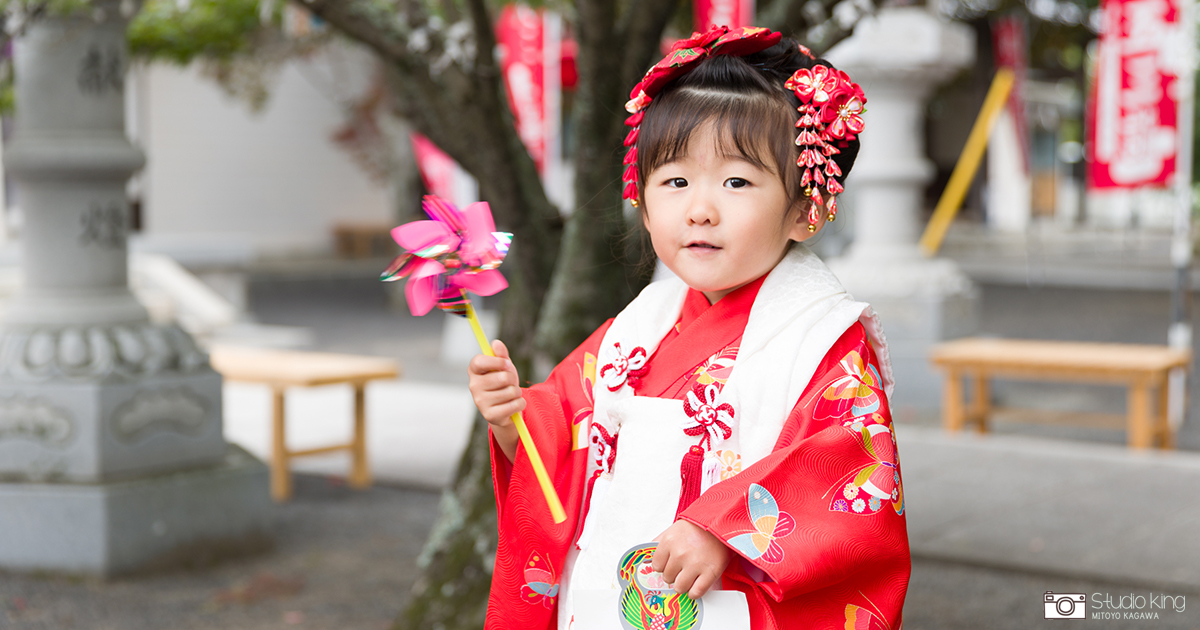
(342, 559)
(948, 596)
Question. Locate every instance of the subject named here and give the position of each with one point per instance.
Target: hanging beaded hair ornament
(831, 107)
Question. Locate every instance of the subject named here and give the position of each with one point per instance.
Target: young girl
(737, 415)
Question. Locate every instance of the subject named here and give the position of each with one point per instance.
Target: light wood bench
(1141, 368)
(363, 240)
(281, 369)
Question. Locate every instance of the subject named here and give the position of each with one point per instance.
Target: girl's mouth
(702, 245)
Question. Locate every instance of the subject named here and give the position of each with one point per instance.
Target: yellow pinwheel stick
(539, 469)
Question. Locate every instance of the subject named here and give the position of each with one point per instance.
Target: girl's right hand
(497, 394)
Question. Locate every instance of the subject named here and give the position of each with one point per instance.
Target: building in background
(1033, 215)
(271, 182)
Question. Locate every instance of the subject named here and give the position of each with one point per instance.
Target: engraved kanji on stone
(100, 71)
(103, 225)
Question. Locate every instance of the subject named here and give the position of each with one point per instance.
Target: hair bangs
(754, 125)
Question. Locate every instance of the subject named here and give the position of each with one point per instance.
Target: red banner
(523, 44)
(731, 13)
(519, 36)
(1132, 110)
(1010, 50)
(439, 172)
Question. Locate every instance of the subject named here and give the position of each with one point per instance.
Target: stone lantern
(111, 446)
(899, 56)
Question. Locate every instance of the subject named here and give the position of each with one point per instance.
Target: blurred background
(184, 177)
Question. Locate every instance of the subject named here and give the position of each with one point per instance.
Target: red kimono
(818, 523)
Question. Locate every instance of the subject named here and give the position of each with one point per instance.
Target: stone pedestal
(898, 57)
(105, 417)
(180, 518)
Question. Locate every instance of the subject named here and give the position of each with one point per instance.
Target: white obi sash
(800, 311)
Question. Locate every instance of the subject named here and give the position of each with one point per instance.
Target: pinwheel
(455, 252)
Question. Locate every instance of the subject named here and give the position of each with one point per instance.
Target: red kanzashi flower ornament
(456, 251)
(831, 107)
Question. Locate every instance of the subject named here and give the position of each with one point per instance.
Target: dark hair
(753, 115)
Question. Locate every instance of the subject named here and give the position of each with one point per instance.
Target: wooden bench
(363, 240)
(281, 369)
(1141, 368)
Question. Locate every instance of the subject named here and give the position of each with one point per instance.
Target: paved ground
(994, 523)
(342, 559)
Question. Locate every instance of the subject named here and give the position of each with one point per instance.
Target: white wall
(273, 178)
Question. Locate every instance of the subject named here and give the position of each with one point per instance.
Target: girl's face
(719, 222)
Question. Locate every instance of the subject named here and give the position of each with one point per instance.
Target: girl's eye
(736, 182)
(677, 182)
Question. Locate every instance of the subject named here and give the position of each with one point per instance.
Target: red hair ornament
(719, 40)
(831, 107)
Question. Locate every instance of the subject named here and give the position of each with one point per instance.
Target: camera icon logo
(1065, 605)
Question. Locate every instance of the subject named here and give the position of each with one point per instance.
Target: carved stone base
(93, 431)
(112, 528)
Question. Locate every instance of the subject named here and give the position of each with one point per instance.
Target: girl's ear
(797, 224)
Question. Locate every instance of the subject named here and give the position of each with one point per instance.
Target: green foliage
(37, 7)
(7, 98)
(212, 29)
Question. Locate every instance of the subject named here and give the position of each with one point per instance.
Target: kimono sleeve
(557, 411)
(821, 519)
(531, 547)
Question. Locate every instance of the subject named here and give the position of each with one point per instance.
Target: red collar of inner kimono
(702, 330)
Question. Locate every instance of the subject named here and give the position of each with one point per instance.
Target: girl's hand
(690, 559)
(496, 391)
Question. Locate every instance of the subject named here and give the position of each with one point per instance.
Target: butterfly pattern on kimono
(540, 586)
(859, 618)
(770, 524)
(865, 490)
(854, 394)
(716, 369)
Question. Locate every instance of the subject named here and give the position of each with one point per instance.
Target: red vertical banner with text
(1133, 106)
(1010, 50)
(520, 39)
(731, 13)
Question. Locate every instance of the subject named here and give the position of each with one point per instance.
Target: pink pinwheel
(456, 251)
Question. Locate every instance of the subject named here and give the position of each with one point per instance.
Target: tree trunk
(457, 561)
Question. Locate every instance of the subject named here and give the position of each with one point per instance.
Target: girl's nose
(701, 210)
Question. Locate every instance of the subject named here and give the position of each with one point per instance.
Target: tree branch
(799, 18)
(640, 31)
(368, 23)
(485, 42)
(786, 16)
